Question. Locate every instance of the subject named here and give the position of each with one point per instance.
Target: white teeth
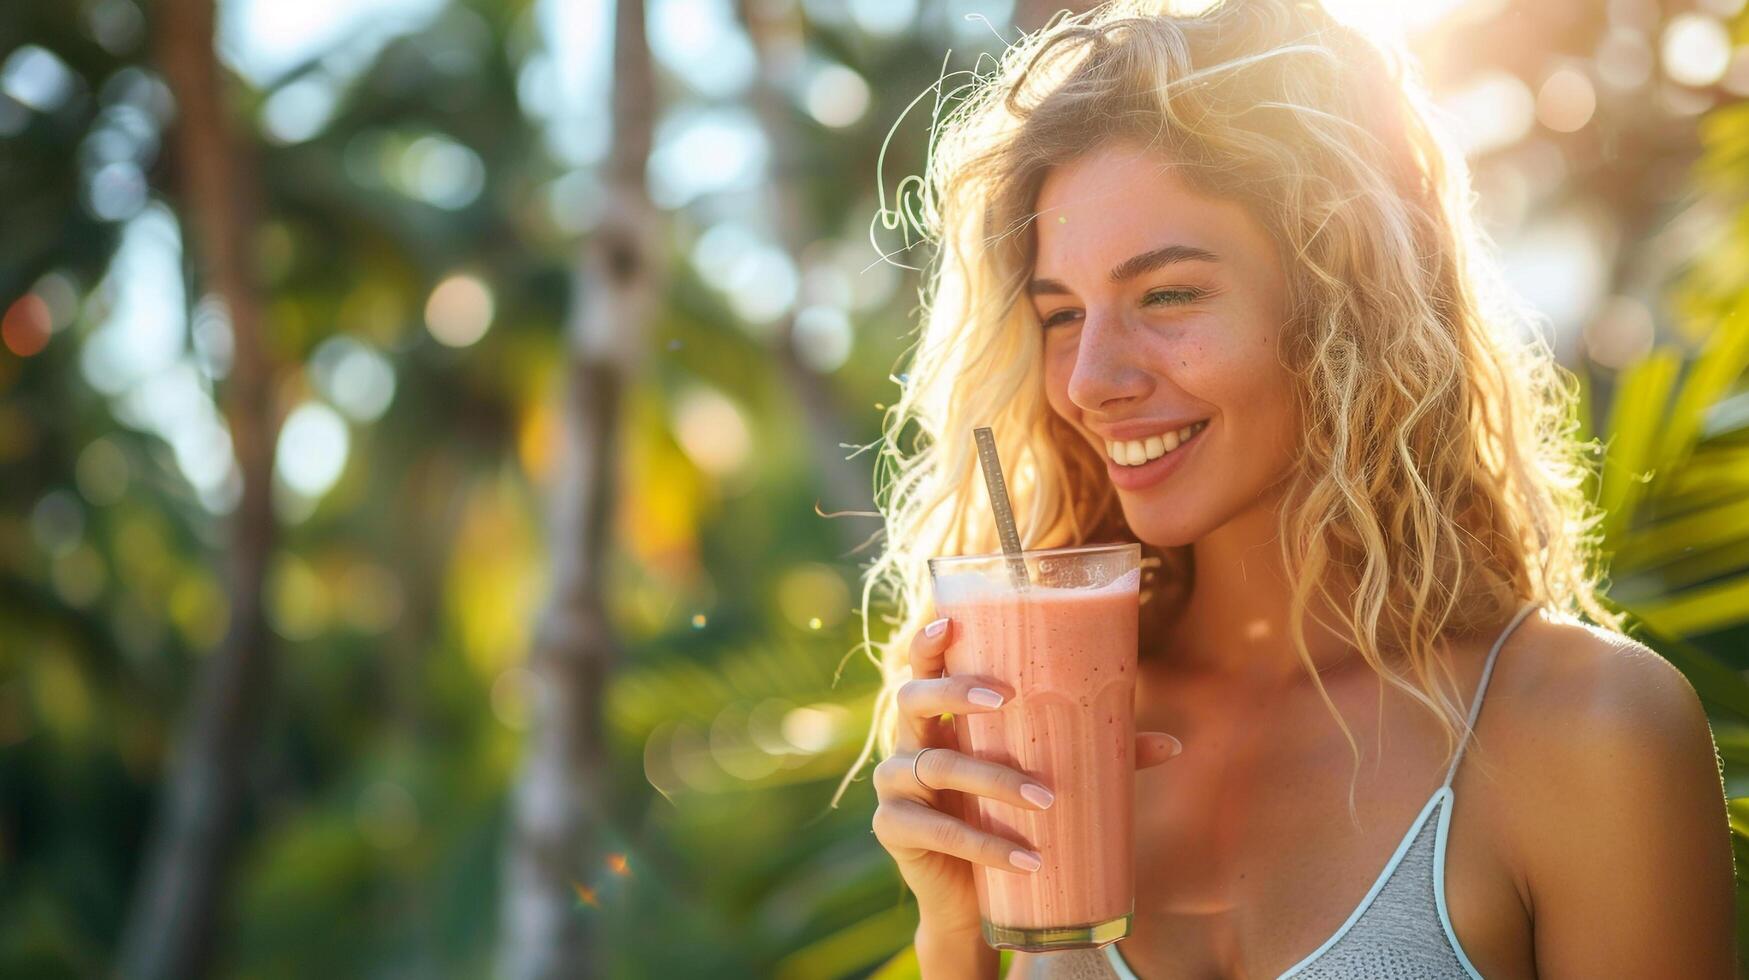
(1135, 452)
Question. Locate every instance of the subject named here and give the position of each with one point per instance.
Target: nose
(1106, 375)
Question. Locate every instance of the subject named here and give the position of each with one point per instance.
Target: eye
(1157, 297)
(1172, 297)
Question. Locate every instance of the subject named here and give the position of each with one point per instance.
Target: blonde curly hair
(1439, 483)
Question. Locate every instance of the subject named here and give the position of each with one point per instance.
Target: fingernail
(1177, 747)
(1025, 860)
(1037, 795)
(936, 628)
(985, 697)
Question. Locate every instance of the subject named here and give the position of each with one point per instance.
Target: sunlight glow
(1495, 110)
(264, 39)
(1391, 18)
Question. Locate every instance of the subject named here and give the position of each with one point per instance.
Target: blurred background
(417, 419)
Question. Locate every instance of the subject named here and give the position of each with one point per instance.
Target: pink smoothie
(1070, 657)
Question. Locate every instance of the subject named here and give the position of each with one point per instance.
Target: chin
(1162, 524)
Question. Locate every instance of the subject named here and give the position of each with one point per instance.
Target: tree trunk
(173, 920)
(545, 932)
(846, 484)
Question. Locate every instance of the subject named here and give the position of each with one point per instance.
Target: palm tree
(558, 802)
(181, 888)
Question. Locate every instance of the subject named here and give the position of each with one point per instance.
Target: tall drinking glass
(1064, 638)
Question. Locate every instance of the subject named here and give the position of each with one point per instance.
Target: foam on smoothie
(954, 589)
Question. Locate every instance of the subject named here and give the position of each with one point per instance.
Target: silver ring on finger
(914, 774)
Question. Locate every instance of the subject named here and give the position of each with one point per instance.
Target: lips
(1137, 452)
(1153, 471)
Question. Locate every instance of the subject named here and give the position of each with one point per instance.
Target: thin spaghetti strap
(1482, 688)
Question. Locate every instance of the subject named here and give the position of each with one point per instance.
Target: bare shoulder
(1571, 691)
(1578, 711)
(1616, 827)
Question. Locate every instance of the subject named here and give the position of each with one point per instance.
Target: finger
(928, 655)
(922, 702)
(1153, 748)
(945, 769)
(906, 824)
(929, 648)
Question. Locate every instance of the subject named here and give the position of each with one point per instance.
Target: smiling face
(1162, 313)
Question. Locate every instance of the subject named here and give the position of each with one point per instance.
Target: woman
(1214, 282)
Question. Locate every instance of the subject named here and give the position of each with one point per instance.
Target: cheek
(1257, 392)
(1059, 366)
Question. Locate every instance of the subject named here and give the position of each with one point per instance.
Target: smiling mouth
(1136, 452)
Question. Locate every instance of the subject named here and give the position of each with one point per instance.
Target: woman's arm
(955, 955)
(1626, 849)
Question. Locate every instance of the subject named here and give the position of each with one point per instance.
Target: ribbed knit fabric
(1401, 930)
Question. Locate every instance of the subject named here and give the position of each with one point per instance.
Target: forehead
(1119, 201)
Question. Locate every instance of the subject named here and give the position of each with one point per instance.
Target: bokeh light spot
(815, 727)
(354, 376)
(298, 603)
(836, 96)
(711, 430)
(26, 327)
(34, 77)
(459, 311)
(734, 751)
(883, 18)
(823, 338)
(312, 449)
(1697, 50)
(441, 172)
(57, 522)
(812, 593)
(79, 576)
(1566, 101)
(1624, 59)
(299, 109)
(199, 611)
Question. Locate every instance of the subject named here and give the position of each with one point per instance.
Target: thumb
(1153, 748)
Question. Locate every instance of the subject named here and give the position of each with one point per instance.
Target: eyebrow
(1133, 266)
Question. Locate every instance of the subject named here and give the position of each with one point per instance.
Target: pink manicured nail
(985, 697)
(1025, 860)
(1037, 795)
(936, 628)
